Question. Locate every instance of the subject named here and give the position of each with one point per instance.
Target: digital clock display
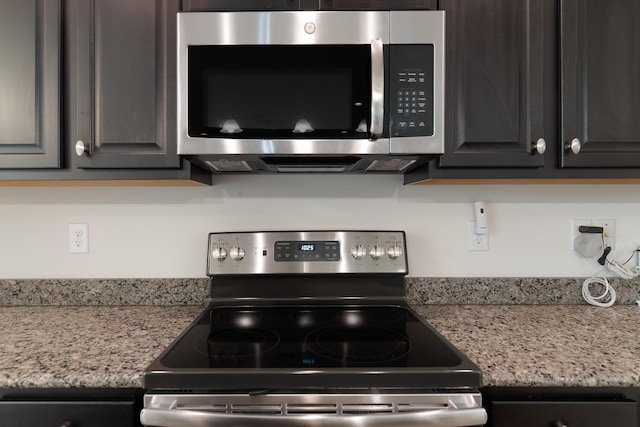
(306, 250)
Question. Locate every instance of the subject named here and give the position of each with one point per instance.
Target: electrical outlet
(477, 242)
(575, 224)
(608, 230)
(78, 238)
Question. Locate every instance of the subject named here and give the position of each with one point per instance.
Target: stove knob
(218, 253)
(376, 251)
(237, 253)
(394, 251)
(358, 251)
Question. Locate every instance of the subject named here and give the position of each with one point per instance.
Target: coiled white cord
(600, 300)
(608, 296)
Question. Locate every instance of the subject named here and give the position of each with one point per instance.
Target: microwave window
(279, 91)
(278, 99)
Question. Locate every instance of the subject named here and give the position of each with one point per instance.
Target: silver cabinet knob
(574, 146)
(81, 148)
(218, 253)
(539, 147)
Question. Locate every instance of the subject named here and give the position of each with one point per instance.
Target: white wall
(144, 232)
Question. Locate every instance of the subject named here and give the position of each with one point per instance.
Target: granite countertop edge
(195, 291)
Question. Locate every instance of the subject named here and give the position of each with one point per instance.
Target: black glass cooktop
(309, 337)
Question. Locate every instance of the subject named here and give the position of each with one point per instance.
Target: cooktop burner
(308, 337)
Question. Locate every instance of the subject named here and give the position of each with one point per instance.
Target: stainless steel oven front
(310, 328)
(287, 91)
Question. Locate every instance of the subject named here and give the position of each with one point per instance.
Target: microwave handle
(377, 88)
(437, 418)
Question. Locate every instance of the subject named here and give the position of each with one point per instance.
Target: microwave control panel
(411, 76)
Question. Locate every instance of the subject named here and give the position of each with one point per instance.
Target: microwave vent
(224, 165)
(390, 165)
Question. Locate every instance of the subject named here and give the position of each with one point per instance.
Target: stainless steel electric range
(310, 328)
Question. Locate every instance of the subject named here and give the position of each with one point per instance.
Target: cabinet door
(600, 83)
(494, 83)
(72, 414)
(124, 65)
(30, 125)
(72, 407)
(563, 413)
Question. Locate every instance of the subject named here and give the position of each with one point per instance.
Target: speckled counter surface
(545, 345)
(100, 346)
(526, 345)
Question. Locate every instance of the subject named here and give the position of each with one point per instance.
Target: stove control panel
(307, 252)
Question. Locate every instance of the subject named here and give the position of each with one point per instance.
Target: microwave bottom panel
(308, 164)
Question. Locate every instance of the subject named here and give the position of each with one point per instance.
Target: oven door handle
(377, 88)
(434, 418)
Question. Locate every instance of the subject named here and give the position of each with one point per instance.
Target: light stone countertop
(545, 345)
(524, 345)
(85, 346)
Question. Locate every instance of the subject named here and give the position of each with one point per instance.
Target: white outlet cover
(477, 242)
(78, 238)
(575, 223)
(609, 229)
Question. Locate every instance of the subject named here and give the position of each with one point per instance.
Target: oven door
(314, 410)
(281, 83)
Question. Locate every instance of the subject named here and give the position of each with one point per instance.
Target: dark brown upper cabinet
(600, 84)
(30, 52)
(494, 84)
(122, 65)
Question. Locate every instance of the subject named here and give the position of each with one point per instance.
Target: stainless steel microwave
(311, 91)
